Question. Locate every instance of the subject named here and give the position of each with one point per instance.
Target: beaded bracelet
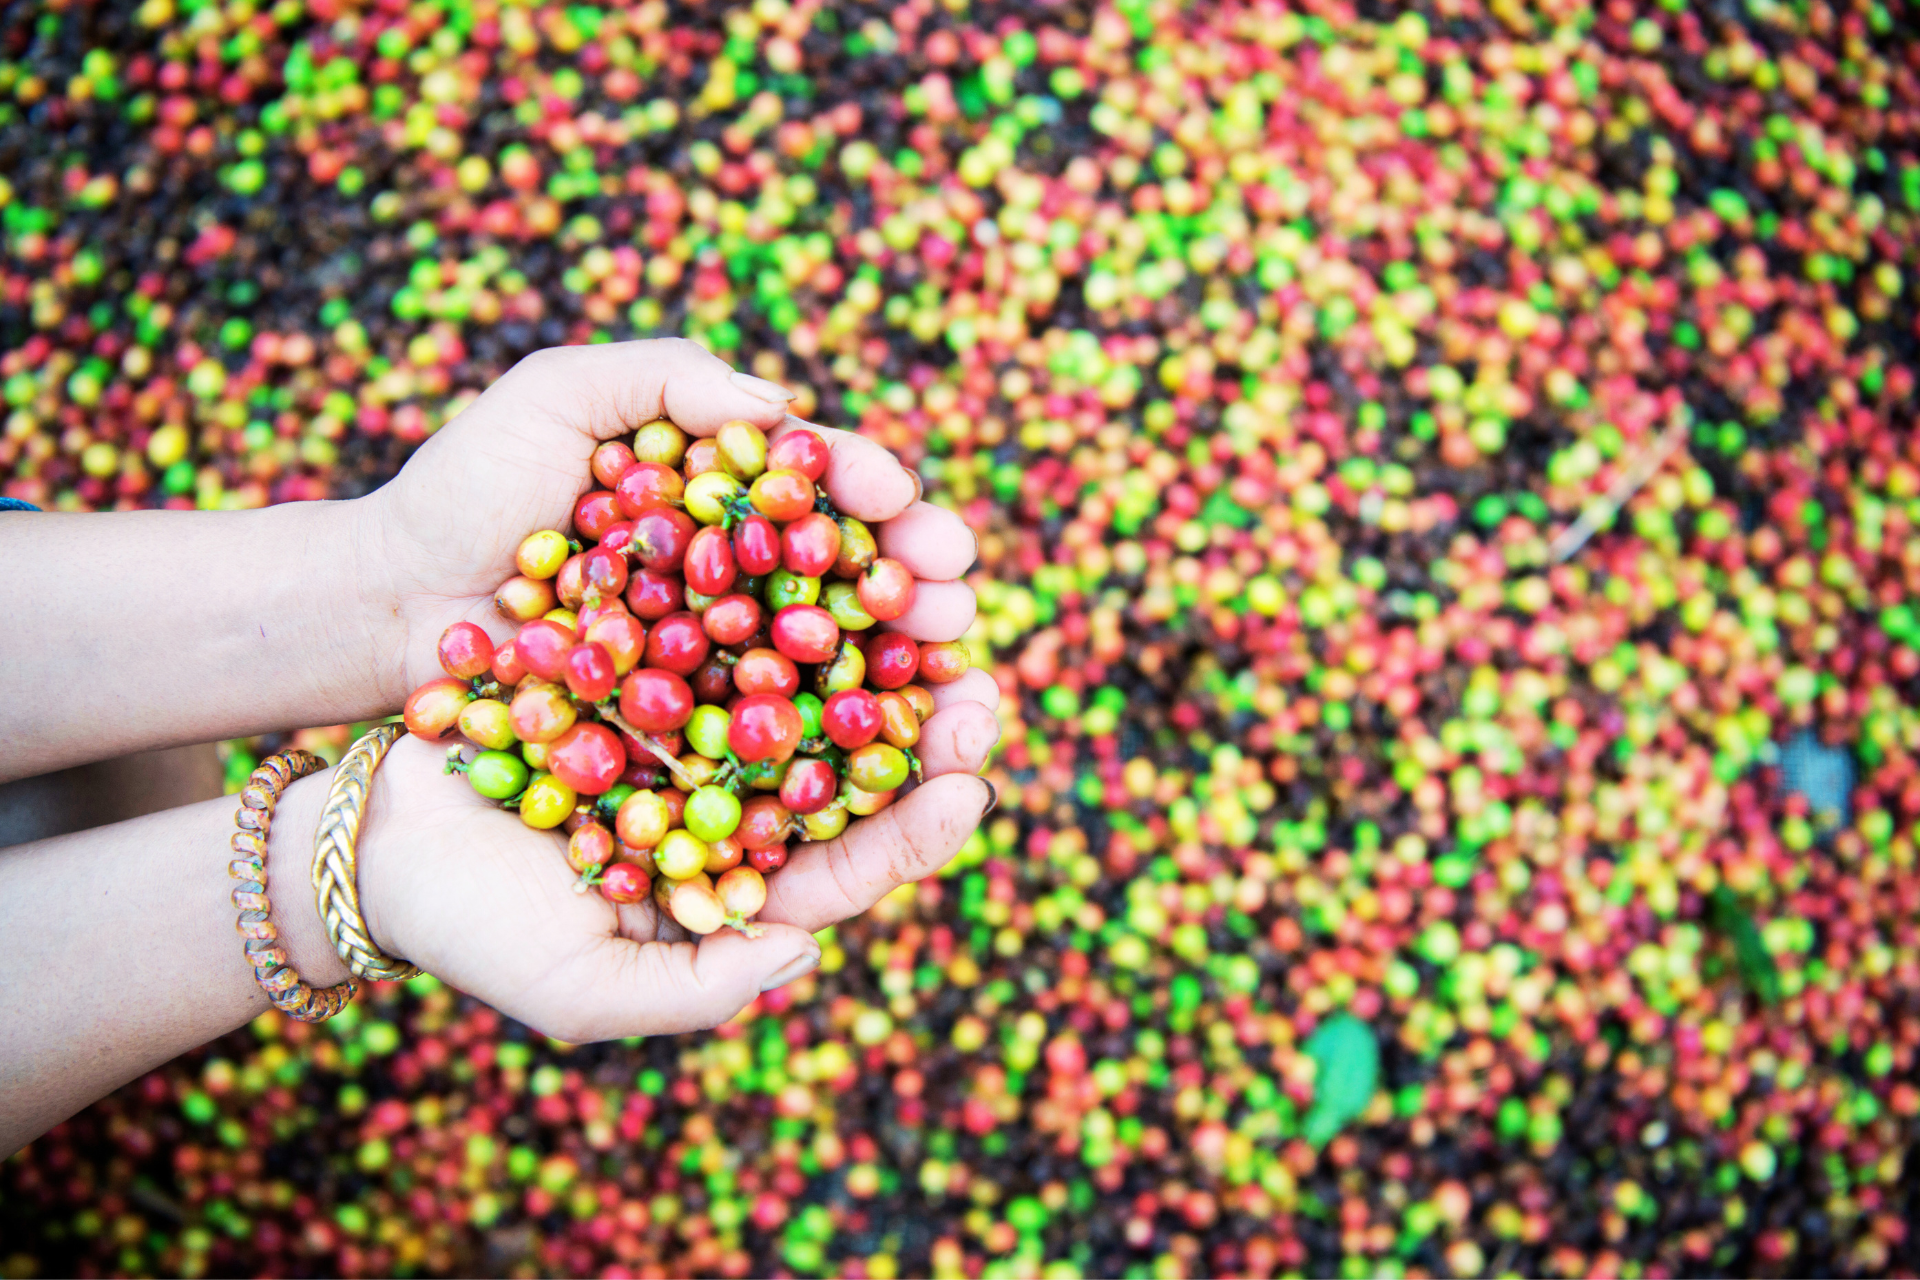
(271, 968)
(336, 866)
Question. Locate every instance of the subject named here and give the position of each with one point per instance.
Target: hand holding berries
(691, 579)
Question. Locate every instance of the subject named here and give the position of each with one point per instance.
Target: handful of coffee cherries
(699, 674)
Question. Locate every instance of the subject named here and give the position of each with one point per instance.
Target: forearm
(121, 952)
(149, 629)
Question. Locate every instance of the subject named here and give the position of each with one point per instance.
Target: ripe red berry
(802, 451)
(655, 701)
(710, 567)
(892, 659)
(542, 647)
(465, 650)
(434, 708)
(809, 786)
(590, 673)
(594, 513)
(766, 671)
(653, 596)
(944, 662)
(610, 461)
(810, 545)
(886, 589)
(604, 571)
(732, 619)
(570, 584)
(590, 845)
(660, 539)
(713, 682)
(625, 882)
(805, 633)
(541, 713)
(677, 643)
(851, 718)
(764, 727)
(756, 545)
(771, 858)
(645, 486)
(507, 667)
(702, 456)
(587, 757)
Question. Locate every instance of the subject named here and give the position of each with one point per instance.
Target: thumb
(631, 988)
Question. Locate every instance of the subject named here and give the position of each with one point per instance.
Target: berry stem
(647, 740)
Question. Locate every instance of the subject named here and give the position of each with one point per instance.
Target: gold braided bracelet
(263, 950)
(336, 865)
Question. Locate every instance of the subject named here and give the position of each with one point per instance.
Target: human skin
(194, 626)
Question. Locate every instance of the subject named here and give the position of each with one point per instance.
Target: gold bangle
(271, 969)
(336, 865)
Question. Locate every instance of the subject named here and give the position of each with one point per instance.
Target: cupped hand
(486, 903)
(477, 898)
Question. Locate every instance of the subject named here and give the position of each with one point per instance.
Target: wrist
(290, 883)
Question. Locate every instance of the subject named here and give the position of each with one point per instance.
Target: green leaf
(1757, 967)
(1347, 1056)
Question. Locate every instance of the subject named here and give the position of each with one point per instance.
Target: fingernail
(993, 797)
(760, 388)
(919, 490)
(797, 967)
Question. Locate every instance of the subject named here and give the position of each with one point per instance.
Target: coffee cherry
(857, 548)
(660, 441)
(647, 486)
(621, 635)
(757, 545)
(570, 584)
(589, 848)
(742, 891)
(712, 813)
(766, 671)
(877, 767)
(713, 682)
(680, 855)
(523, 599)
(465, 651)
(486, 722)
(655, 701)
(784, 589)
(653, 596)
(590, 672)
(541, 713)
(434, 708)
(742, 449)
(809, 786)
(732, 619)
(802, 451)
(661, 538)
(771, 858)
(706, 731)
(826, 824)
(782, 496)
(810, 545)
(677, 643)
(711, 496)
(702, 458)
(764, 820)
(594, 513)
(696, 908)
(723, 855)
(899, 725)
(851, 718)
(944, 662)
(892, 659)
(541, 554)
(764, 727)
(805, 633)
(587, 757)
(497, 775)
(864, 804)
(604, 571)
(886, 589)
(542, 647)
(920, 699)
(846, 670)
(642, 820)
(842, 601)
(507, 668)
(547, 802)
(609, 462)
(710, 567)
(624, 883)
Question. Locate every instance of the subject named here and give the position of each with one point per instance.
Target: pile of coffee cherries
(699, 674)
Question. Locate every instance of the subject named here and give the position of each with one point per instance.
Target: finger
(825, 883)
(611, 388)
(976, 686)
(957, 740)
(863, 479)
(933, 543)
(941, 611)
(622, 988)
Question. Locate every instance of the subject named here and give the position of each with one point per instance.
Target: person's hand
(486, 903)
(494, 912)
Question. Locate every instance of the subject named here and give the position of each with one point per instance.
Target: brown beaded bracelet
(271, 968)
